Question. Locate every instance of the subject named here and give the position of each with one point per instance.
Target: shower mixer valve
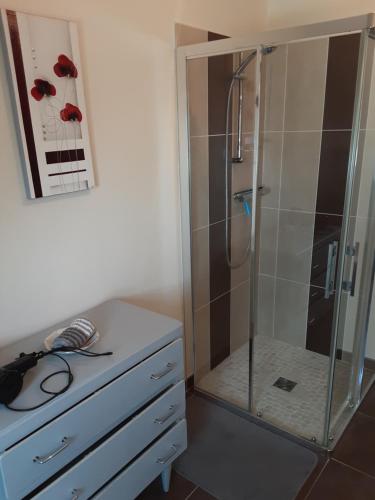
(244, 197)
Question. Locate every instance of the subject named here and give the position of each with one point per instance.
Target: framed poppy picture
(46, 75)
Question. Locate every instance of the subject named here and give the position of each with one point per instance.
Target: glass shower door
(222, 124)
(308, 94)
(270, 147)
(354, 318)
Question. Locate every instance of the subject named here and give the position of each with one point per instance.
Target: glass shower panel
(220, 225)
(308, 90)
(354, 372)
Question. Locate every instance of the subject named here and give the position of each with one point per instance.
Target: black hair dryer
(11, 376)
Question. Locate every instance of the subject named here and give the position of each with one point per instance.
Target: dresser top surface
(130, 332)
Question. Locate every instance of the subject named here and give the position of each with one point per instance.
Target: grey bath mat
(234, 459)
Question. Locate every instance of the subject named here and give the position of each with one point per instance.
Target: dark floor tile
(180, 488)
(357, 446)
(368, 404)
(339, 482)
(200, 494)
(307, 485)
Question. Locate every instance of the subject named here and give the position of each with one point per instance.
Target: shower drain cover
(285, 384)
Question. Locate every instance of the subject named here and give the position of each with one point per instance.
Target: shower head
(244, 64)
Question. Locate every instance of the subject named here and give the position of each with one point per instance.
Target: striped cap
(77, 335)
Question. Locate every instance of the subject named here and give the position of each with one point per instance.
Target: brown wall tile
(341, 81)
(333, 168)
(220, 329)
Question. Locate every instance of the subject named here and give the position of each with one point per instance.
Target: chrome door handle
(163, 373)
(331, 269)
(354, 277)
(349, 286)
(168, 457)
(162, 420)
(65, 442)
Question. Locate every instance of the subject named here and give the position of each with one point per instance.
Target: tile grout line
(297, 211)
(222, 295)
(353, 468)
(291, 281)
(265, 275)
(309, 212)
(290, 210)
(207, 226)
(279, 193)
(191, 493)
(316, 480)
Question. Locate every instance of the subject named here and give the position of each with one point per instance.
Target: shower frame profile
(358, 24)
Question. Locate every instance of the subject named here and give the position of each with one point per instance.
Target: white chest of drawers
(121, 423)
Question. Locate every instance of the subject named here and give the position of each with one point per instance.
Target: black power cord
(67, 371)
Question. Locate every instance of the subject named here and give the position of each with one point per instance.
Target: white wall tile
(268, 224)
(305, 86)
(197, 76)
(239, 316)
(199, 178)
(296, 231)
(291, 311)
(273, 89)
(266, 300)
(300, 170)
(271, 144)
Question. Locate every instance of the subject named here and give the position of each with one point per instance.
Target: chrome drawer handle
(169, 368)
(170, 455)
(65, 442)
(162, 420)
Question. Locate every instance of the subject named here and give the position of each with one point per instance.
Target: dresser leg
(166, 478)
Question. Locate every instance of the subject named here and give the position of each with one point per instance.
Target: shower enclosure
(277, 157)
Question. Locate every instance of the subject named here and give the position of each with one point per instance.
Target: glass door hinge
(350, 251)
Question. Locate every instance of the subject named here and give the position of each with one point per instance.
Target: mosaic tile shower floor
(300, 411)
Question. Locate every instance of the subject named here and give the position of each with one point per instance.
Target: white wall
(284, 13)
(227, 17)
(60, 256)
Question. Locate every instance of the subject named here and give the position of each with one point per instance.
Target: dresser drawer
(36, 458)
(133, 480)
(119, 449)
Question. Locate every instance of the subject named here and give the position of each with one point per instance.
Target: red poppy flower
(70, 113)
(65, 67)
(42, 88)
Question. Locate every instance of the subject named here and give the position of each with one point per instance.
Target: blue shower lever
(247, 208)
